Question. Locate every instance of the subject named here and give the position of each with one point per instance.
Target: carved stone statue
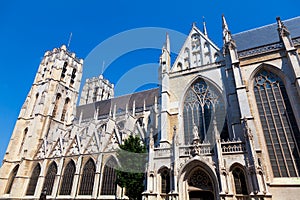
(195, 132)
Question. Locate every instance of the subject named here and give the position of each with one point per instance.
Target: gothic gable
(198, 50)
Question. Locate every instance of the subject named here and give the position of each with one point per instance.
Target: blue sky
(29, 28)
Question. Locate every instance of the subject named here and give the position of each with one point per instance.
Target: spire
(165, 56)
(193, 24)
(224, 23)
(167, 44)
(226, 32)
(204, 27)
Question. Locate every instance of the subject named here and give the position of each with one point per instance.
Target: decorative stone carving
(260, 50)
(41, 152)
(201, 180)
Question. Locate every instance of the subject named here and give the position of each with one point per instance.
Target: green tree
(131, 174)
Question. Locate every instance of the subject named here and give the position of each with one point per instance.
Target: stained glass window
(33, 180)
(278, 124)
(11, 179)
(165, 181)
(202, 102)
(109, 178)
(87, 179)
(239, 181)
(50, 178)
(67, 179)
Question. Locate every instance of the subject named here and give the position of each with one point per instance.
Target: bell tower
(50, 102)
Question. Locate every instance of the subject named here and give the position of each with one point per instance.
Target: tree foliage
(131, 173)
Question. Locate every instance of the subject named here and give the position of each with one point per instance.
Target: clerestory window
(279, 125)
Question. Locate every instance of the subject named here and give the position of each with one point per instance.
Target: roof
(265, 35)
(147, 96)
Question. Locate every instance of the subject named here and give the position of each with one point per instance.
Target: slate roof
(147, 96)
(265, 35)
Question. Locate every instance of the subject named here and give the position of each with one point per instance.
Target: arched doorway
(200, 186)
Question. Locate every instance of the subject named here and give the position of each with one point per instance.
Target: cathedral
(223, 124)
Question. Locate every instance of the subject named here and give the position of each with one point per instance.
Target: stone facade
(224, 124)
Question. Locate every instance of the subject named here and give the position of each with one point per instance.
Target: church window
(102, 94)
(34, 104)
(200, 180)
(165, 181)
(109, 178)
(67, 179)
(202, 103)
(95, 94)
(279, 125)
(11, 179)
(73, 77)
(87, 179)
(65, 108)
(64, 70)
(23, 139)
(44, 71)
(239, 181)
(33, 180)
(50, 178)
(179, 66)
(58, 96)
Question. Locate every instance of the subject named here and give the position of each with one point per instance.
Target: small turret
(96, 89)
(165, 65)
(226, 33)
(165, 59)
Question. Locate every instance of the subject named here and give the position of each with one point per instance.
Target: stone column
(55, 191)
(291, 52)
(76, 178)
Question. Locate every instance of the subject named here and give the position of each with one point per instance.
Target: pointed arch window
(87, 179)
(11, 179)
(54, 112)
(165, 181)
(202, 103)
(23, 139)
(72, 81)
(66, 106)
(67, 179)
(50, 178)
(64, 70)
(95, 94)
(109, 178)
(33, 180)
(278, 124)
(239, 181)
(34, 104)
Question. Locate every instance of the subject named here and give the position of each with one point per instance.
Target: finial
(283, 31)
(226, 33)
(204, 26)
(224, 23)
(194, 24)
(167, 43)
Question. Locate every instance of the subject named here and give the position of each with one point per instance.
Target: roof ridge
(124, 95)
(264, 26)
